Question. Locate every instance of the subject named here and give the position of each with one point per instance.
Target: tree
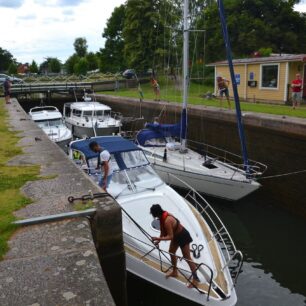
(81, 67)
(71, 62)
(253, 24)
(80, 46)
(112, 55)
(54, 65)
(12, 69)
(93, 61)
(33, 67)
(6, 58)
(146, 31)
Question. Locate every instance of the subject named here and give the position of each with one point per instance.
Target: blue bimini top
(156, 130)
(113, 144)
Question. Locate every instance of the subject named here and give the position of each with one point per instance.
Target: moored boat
(136, 187)
(50, 120)
(88, 119)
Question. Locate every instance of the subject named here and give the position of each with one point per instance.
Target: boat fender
(196, 250)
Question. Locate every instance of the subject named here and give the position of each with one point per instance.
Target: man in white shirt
(105, 164)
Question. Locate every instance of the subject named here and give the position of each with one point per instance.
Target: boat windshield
(132, 176)
(50, 123)
(134, 180)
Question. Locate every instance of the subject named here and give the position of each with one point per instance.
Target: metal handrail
(164, 253)
(256, 168)
(228, 248)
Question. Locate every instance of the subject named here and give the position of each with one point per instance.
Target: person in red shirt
(296, 86)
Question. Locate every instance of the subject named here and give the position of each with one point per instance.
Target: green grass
(172, 94)
(11, 180)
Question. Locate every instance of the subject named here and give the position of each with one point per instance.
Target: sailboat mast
(235, 89)
(185, 74)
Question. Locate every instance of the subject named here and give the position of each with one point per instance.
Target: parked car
(129, 74)
(13, 79)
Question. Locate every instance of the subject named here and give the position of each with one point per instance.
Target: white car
(13, 79)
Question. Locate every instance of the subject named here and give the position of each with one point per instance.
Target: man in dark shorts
(7, 90)
(171, 229)
(223, 90)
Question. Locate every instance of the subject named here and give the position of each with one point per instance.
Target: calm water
(269, 226)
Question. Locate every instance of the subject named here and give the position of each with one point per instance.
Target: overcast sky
(34, 29)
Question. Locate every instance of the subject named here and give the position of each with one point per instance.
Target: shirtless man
(171, 229)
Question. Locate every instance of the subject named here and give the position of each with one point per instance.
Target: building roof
(262, 60)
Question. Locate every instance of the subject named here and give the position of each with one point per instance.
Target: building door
(304, 81)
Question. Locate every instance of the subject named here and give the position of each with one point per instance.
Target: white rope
(282, 175)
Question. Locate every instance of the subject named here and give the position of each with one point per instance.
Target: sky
(35, 29)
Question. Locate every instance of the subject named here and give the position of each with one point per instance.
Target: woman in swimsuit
(171, 229)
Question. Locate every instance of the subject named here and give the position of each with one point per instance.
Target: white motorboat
(50, 120)
(136, 187)
(88, 119)
(211, 174)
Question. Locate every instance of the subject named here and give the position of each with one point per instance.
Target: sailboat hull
(231, 190)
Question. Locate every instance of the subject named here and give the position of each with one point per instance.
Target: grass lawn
(11, 180)
(171, 94)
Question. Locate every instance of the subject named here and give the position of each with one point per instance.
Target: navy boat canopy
(113, 144)
(156, 130)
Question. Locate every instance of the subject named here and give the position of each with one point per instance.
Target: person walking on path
(156, 89)
(7, 90)
(171, 229)
(104, 163)
(296, 86)
(223, 90)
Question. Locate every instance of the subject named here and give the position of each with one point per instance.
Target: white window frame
(278, 72)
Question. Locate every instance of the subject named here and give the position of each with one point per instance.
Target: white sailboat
(136, 187)
(50, 120)
(215, 175)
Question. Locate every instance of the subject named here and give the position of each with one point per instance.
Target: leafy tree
(81, 67)
(252, 24)
(33, 67)
(71, 62)
(93, 61)
(80, 46)
(112, 55)
(12, 69)
(54, 65)
(145, 33)
(6, 58)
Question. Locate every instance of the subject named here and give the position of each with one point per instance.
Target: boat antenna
(234, 84)
(185, 76)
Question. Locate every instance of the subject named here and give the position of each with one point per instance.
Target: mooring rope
(282, 175)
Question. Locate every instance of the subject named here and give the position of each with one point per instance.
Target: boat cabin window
(76, 112)
(134, 159)
(67, 111)
(87, 113)
(98, 113)
(107, 113)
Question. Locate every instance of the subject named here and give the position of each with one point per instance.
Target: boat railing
(255, 168)
(233, 258)
(164, 259)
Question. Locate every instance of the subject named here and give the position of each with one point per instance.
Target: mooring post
(108, 237)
